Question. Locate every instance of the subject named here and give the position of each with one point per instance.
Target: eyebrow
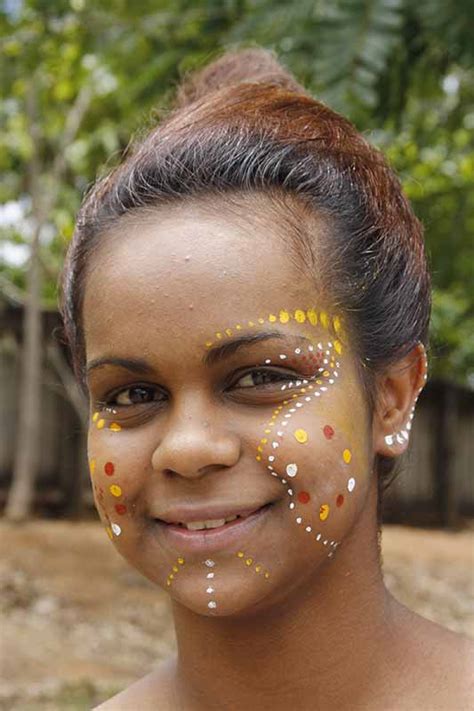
(135, 365)
(214, 355)
(229, 348)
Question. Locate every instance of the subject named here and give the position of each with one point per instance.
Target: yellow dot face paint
(347, 456)
(100, 424)
(324, 512)
(115, 427)
(312, 317)
(284, 316)
(301, 436)
(115, 490)
(92, 465)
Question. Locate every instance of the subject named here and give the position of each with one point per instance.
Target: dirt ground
(77, 624)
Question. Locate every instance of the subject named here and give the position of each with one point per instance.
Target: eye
(256, 378)
(136, 395)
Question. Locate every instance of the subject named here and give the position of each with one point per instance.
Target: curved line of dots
(308, 389)
(249, 563)
(305, 387)
(100, 423)
(174, 571)
(333, 324)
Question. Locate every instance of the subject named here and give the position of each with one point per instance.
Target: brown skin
(319, 631)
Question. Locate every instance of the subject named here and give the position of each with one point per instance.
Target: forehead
(189, 269)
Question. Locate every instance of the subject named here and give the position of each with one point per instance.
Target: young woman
(247, 301)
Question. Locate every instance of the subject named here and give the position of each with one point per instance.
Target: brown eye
(137, 395)
(257, 378)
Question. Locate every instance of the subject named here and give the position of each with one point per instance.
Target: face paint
(333, 325)
(210, 586)
(306, 390)
(100, 423)
(174, 571)
(252, 565)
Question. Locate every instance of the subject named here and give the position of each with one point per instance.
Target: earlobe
(398, 390)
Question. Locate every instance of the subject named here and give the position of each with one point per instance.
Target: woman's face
(229, 439)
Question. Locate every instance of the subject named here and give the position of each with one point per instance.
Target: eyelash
(276, 376)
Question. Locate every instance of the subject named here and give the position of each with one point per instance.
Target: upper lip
(188, 514)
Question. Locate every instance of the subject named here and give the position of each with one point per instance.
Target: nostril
(169, 473)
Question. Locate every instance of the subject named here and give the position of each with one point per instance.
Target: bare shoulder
(439, 663)
(154, 692)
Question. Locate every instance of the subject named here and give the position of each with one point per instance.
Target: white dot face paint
(351, 484)
(309, 509)
(116, 529)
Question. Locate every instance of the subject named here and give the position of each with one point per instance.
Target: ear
(398, 389)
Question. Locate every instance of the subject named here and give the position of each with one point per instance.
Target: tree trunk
(20, 496)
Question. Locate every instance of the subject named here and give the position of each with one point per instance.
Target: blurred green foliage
(402, 71)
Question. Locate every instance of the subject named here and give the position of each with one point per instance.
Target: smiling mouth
(217, 522)
(212, 534)
(214, 523)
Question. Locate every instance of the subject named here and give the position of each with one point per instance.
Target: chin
(236, 599)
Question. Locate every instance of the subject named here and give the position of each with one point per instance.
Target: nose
(194, 445)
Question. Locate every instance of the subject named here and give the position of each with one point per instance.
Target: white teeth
(213, 523)
(195, 525)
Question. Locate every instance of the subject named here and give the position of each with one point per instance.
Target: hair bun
(254, 65)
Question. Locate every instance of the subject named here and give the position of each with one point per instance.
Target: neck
(324, 644)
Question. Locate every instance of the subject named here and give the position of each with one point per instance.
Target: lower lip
(212, 539)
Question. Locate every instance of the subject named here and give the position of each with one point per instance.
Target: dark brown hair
(244, 125)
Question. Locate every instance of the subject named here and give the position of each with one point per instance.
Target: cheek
(114, 466)
(318, 450)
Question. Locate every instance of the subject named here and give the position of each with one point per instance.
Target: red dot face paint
(120, 509)
(339, 500)
(109, 468)
(304, 497)
(328, 432)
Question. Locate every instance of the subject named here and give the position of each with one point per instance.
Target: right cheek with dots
(318, 469)
(314, 451)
